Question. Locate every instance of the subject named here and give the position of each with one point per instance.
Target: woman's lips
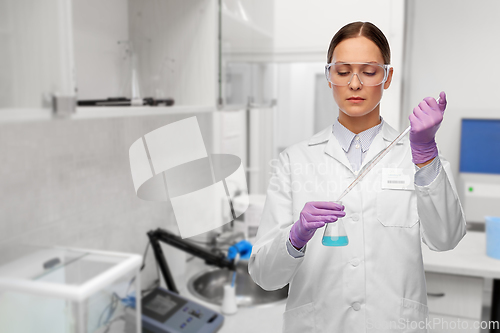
(355, 99)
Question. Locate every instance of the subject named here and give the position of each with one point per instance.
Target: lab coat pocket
(397, 208)
(413, 316)
(299, 319)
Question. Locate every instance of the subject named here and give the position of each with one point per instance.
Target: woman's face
(358, 49)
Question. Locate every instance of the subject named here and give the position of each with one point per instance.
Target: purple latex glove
(425, 121)
(314, 215)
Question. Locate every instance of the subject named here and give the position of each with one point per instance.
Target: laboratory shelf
(110, 112)
(26, 115)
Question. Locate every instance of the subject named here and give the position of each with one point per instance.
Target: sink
(208, 286)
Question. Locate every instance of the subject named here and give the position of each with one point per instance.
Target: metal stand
(161, 235)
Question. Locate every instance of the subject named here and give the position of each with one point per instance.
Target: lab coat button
(355, 262)
(355, 217)
(356, 306)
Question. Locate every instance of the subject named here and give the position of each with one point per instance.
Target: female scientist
(376, 283)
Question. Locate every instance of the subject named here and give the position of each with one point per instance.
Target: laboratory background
(82, 80)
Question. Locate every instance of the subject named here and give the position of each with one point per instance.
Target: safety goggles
(369, 74)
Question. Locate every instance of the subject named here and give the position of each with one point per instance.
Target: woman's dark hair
(365, 29)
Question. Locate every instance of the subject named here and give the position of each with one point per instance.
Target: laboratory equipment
(162, 312)
(334, 234)
(375, 161)
(311, 218)
(340, 230)
(242, 249)
(326, 237)
(166, 312)
(161, 235)
(123, 101)
(479, 177)
(208, 286)
(63, 290)
(493, 236)
(229, 300)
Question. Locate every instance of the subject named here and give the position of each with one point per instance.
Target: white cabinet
(141, 48)
(36, 58)
(450, 324)
(455, 302)
(92, 49)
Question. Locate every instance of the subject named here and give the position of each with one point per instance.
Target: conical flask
(335, 234)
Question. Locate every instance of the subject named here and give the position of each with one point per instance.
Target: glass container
(334, 234)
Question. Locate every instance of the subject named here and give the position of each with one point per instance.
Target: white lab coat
(376, 283)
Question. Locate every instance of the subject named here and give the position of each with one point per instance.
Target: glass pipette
(335, 234)
(375, 161)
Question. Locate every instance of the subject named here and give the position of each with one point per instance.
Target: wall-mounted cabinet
(36, 58)
(94, 50)
(199, 53)
(146, 48)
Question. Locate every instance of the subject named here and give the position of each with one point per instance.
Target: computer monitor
(480, 168)
(480, 146)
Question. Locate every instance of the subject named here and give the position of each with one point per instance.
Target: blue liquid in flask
(335, 240)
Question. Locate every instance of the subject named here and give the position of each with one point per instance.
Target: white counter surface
(468, 258)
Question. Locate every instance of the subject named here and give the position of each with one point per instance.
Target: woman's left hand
(425, 121)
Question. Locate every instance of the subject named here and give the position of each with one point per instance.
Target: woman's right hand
(314, 215)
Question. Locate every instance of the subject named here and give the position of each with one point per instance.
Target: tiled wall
(68, 183)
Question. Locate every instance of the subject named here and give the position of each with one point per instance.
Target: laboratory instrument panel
(166, 312)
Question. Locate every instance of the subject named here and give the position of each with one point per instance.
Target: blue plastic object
(244, 248)
(232, 252)
(129, 301)
(234, 279)
(493, 236)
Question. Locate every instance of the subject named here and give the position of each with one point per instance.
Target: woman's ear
(389, 79)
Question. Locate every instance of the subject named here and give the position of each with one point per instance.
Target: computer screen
(480, 146)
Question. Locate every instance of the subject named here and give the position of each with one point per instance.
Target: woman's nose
(355, 84)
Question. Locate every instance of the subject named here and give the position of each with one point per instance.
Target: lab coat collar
(320, 137)
(386, 135)
(332, 146)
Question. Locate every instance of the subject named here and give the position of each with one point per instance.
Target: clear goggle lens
(341, 74)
